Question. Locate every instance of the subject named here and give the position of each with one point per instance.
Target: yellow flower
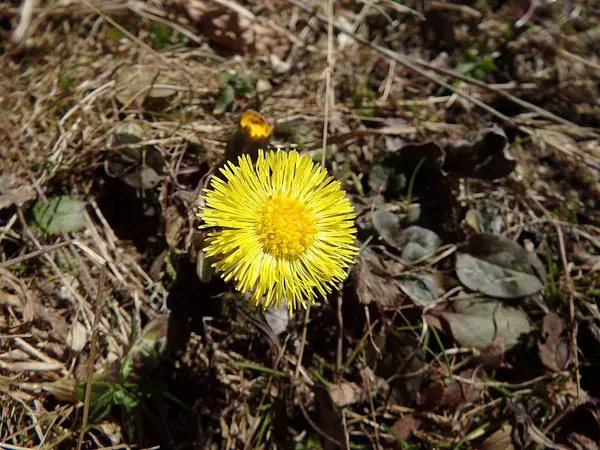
(253, 132)
(286, 228)
(255, 126)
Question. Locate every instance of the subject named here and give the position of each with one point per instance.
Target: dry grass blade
(35, 254)
(90, 367)
(395, 100)
(413, 65)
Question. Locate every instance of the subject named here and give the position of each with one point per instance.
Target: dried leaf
(278, 318)
(7, 299)
(499, 440)
(77, 337)
(493, 354)
(174, 223)
(226, 29)
(485, 157)
(346, 393)
(458, 392)
(204, 266)
(14, 191)
(405, 426)
(375, 282)
(553, 347)
(499, 267)
(430, 398)
(35, 366)
(141, 82)
(581, 442)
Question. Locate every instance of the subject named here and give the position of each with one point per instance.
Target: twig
(158, 56)
(413, 64)
(563, 257)
(328, 78)
(340, 344)
(24, 21)
(454, 7)
(316, 427)
(579, 59)
(90, 367)
(48, 249)
(303, 341)
(323, 155)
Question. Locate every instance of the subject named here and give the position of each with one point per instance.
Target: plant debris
(465, 135)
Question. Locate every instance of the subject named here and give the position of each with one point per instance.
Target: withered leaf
(375, 281)
(499, 440)
(458, 392)
(431, 398)
(484, 157)
(553, 347)
(14, 191)
(346, 393)
(405, 426)
(582, 442)
(493, 354)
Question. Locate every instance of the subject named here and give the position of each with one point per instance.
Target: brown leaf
(581, 442)
(344, 394)
(493, 354)
(14, 191)
(405, 426)
(223, 27)
(553, 347)
(431, 398)
(375, 282)
(499, 440)
(485, 156)
(458, 392)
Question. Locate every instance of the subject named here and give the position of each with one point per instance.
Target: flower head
(285, 228)
(255, 126)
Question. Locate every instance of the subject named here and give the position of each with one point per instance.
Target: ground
(467, 137)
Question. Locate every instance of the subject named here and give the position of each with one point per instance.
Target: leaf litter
(456, 329)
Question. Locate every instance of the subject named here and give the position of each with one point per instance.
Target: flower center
(286, 227)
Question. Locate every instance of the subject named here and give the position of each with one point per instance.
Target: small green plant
(106, 395)
(160, 34)
(477, 63)
(234, 85)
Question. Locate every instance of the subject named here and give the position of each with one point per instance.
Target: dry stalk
(90, 367)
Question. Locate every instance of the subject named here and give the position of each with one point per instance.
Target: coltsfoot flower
(285, 228)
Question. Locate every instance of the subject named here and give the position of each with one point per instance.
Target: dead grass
(176, 362)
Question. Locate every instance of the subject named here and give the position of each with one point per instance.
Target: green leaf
(465, 67)
(421, 289)
(226, 97)
(160, 34)
(61, 214)
(126, 367)
(479, 320)
(499, 267)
